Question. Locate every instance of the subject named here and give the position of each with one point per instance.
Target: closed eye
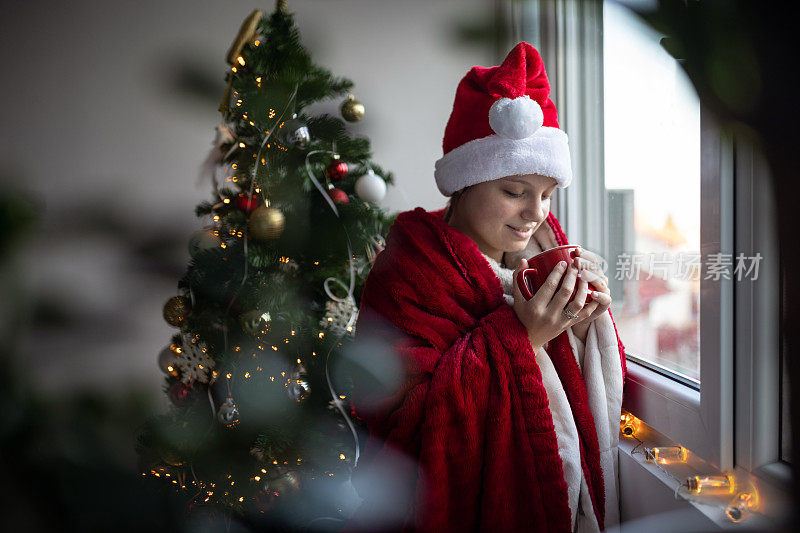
(511, 194)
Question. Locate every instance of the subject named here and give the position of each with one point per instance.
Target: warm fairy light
(238, 102)
(711, 485)
(330, 319)
(240, 60)
(241, 145)
(237, 348)
(216, 218)
(349, 329)
(274, 462)
(298, 360)
(252, 123)
(263, 470)
(258, 79)
(228, 375)
(234, 166)
(316, 262)
(247, 374)
(313, 353)
(257, 42)
(199, 366)
(292, 333)
(342, 396)
(628, 424)
(341, 456)
(233, 69)
(241, 498)
(668, 454)
(271, 113)
(258, 190)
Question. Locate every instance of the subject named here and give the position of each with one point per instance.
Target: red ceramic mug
(541, 265)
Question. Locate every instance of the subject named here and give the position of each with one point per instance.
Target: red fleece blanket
(472, 409)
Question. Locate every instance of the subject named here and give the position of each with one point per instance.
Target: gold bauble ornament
(352, 110)
(175, 310)
(266, 223)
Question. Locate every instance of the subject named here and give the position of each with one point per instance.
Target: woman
(510, 407)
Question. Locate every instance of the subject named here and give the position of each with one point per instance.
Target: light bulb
(711, 485)
(668, 454)
(628, 424)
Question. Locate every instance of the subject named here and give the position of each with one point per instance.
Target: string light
(668, 454)
(629, 424)
(710, 485)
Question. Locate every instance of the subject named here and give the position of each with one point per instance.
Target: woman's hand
(590, 270)
(543, 315)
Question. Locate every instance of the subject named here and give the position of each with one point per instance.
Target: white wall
(92, 126)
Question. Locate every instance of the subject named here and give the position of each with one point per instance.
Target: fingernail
(562, 264)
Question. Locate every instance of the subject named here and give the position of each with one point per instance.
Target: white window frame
(738, 319)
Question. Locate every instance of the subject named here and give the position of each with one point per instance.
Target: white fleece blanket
(599, 361)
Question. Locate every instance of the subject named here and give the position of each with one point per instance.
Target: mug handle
(522, 282)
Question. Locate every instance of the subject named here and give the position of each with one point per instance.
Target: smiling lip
(525, 233)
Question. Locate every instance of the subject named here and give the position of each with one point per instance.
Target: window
(617, 107)
(652, 180)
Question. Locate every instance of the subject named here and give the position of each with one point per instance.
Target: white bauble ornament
(203, 239)
(370, 187)
(516, 118)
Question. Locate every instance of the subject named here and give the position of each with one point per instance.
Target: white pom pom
(370, 187)
(516, 118)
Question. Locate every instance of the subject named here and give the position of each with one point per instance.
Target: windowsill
(774, 507)
(669, 407)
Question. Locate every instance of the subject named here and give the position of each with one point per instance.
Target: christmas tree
(259, 422)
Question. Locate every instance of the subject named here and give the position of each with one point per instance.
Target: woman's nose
(534, 211)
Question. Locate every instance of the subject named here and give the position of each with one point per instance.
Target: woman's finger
(578, 303)
(550, 285)
(562, 296)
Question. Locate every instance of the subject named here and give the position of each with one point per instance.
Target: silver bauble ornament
(298, 387)
(168, 360)
(203, 239)
(228, 413)
(254, 322)
(370, 187)
(295, 133)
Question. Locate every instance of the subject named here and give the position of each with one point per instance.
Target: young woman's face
(502, 214)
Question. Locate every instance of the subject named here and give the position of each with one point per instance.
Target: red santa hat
(503, 124)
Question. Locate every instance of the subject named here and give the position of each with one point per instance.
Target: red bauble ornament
(337, 170)
(180, 394)
(338, 196)
(247, 203)
(264, 501)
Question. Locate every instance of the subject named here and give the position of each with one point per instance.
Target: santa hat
(503, 124)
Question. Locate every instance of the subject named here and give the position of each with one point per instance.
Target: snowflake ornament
(337, 317)
(195, 364)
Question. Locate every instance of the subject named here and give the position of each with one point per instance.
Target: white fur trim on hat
(546, 152)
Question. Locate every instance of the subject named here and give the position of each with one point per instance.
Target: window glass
(652, 179)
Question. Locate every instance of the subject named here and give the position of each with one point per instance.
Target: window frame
(569, 36)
